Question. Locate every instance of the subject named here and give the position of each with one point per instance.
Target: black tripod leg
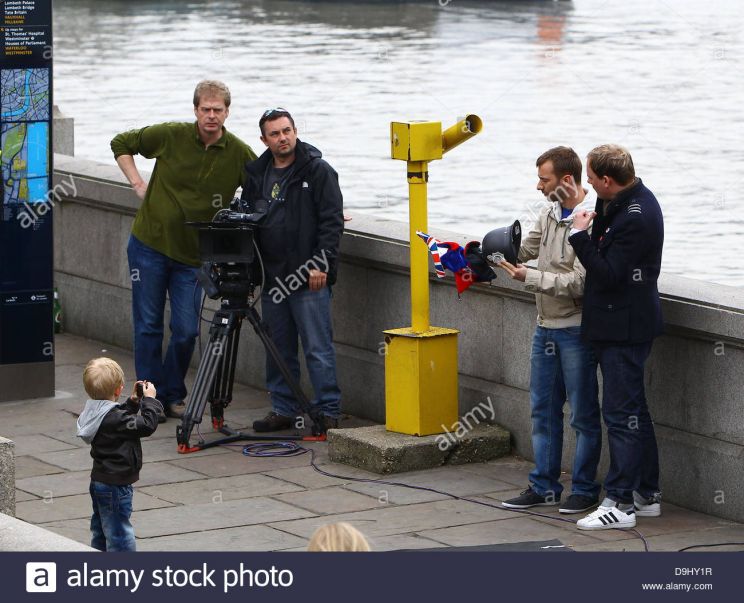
(225, 378)
(208, 367)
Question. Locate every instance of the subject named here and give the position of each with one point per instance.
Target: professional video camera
(231, 271)
(227, 246)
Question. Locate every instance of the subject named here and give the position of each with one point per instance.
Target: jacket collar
(623, 198)
(590, 200)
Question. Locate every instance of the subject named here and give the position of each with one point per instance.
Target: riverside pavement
(221, 500)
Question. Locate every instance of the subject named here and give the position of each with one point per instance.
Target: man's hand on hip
(140, 188)
(317, 280)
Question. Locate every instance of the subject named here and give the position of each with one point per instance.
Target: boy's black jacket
(116, 449)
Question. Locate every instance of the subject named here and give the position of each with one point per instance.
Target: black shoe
(530, 498)
(578, 503)
(174, 410)
(330, 422)
(161, 417)
(272, 422)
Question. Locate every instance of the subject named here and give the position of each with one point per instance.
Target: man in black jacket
(621, 317)
(114, 431)
(299, 240)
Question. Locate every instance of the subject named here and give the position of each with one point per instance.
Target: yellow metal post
(421, 360)
(418, 220)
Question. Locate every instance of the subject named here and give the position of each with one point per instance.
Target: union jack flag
(433, 245)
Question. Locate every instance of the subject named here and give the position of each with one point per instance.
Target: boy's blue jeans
(110, 527)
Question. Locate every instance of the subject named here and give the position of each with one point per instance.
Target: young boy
(114, 432)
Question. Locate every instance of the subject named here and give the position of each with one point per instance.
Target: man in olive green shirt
(198, 166)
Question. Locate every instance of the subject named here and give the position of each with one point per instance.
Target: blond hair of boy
(340, 536)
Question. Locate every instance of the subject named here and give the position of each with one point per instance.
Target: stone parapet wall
(694, 377)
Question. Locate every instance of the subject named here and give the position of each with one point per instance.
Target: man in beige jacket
(562, 365)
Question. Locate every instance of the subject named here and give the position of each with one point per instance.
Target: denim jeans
(306, 314)
(110, 527)
(563, 365)
(153, 275)
(634, 457)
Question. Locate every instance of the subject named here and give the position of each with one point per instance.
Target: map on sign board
(24, 142)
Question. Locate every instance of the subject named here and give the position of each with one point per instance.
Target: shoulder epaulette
(634, 208)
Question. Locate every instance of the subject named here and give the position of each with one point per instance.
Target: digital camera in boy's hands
(139, 389)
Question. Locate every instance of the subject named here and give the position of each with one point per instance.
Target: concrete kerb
(17, 535)
(380, 451)
(7, 476)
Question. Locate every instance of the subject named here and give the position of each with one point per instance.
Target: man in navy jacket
(299, 241)
(621, 317)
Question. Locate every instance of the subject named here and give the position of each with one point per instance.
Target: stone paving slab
(247, 538)
(35, 418)
(509, 469)
(73, 459)
(445, 479)
(75, 529)
(400, 520)
(75, 507)
(452, 481)
(676, 541)
(22, 496)
(395, 495)
(166, 431)
(225, 488)
(77, 482)
(69, 381)
(165, 472)
(307, 477)
(66, 437)
(329, 501)
(198, 518)
(225, 465)
(60, 484)
(166, 449)
(28, 466)
(75, 350)
(515, 529)
(37, 443)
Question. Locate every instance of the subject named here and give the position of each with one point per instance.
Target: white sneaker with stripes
(607, 518)
(647, 507)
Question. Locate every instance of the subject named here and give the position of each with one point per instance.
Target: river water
(662, 77)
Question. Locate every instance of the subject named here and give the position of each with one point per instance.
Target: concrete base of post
(380, 451)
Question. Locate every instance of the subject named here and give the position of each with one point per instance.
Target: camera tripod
(216, 375)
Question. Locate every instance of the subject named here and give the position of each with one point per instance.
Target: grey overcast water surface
(663, 78)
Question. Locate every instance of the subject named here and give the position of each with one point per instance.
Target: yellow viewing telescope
(421, 360)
